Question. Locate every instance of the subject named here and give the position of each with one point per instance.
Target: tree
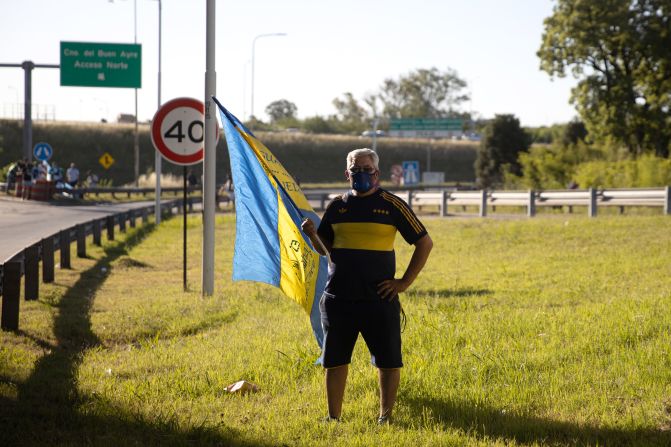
(423, 93)
(502, 142)
(317, 124)
(621, 53)
(352, 116)
(281, 110)
(574, 132)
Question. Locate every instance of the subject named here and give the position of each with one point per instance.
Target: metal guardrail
(531, 200)
(26, 262)
(114, 190)
(127, 191)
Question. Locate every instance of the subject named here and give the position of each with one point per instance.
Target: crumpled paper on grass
(242, 387)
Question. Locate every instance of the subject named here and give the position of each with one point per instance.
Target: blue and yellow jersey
(361, 231)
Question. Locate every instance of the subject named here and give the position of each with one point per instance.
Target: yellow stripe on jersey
(364, 236)
(398, 203)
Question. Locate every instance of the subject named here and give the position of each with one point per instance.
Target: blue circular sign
(43, 151)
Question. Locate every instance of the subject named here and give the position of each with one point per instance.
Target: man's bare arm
(392, 287)
(308, 228)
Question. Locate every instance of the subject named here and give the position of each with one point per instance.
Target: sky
(330, 47)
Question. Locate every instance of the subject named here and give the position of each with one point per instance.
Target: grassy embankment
(310, 158)
(550, 331)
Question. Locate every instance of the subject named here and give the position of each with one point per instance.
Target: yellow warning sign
(106, 160)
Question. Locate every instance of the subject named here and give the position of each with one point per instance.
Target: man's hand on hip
(391, 287)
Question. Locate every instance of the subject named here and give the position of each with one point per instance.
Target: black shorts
(378, 321)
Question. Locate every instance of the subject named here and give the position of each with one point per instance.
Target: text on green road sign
(90, 64)
(426, 124)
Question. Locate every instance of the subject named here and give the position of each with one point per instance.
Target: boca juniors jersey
(361, 231)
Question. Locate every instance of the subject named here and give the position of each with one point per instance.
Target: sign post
(177, 132)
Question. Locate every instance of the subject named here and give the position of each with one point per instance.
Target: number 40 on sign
(177, 131)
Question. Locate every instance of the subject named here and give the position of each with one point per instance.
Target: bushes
(645, 171)
(556, 167)
(552, 167)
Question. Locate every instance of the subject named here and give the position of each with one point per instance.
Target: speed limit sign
(177, 131)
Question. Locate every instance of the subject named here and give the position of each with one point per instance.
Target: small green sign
(88, 64)
(426, 124)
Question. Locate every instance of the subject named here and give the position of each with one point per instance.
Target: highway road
(23, 223)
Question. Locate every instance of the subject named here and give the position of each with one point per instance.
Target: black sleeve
(407, 222)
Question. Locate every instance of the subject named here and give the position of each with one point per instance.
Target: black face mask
(362, 181)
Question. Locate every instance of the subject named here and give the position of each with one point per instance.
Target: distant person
(72, 175)
(27, 174)
(42, 170)
(228, 184)
(11, 176)
(35, 173)
(192, 179)
(91, 179)
(55, 173)
(26, 178)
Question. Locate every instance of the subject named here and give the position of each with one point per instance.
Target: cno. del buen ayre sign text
(90, 64)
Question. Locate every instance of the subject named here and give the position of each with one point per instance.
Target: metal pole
(592, 207)
(27, 110)
(157, 155)
(251, 105)
(375, 121)
(531, 207)
(136, 139)
(428, 158)
(253, 51)
(184, 224)
(244, 90)
(210, 158)
(28, 66)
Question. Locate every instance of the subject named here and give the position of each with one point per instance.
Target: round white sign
(177, 131)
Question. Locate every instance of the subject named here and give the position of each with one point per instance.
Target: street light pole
(157, 155)
(253, 51)
(136, 137)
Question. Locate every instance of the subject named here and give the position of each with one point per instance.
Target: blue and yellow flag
(269, 244)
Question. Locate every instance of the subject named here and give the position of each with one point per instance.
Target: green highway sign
(89, 64)
(426, 124)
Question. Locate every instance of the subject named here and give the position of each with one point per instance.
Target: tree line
(422, 93)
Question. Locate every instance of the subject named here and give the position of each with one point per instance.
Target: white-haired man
(361, 296)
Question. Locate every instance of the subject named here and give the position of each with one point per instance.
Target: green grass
(546, 331)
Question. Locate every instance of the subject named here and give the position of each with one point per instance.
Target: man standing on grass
(361, 296)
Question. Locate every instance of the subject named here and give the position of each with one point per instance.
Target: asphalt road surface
(23, 223)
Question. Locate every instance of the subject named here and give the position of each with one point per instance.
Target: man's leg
(389, 379)
(336, 378)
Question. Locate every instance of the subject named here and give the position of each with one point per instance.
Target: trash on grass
(242, 387)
